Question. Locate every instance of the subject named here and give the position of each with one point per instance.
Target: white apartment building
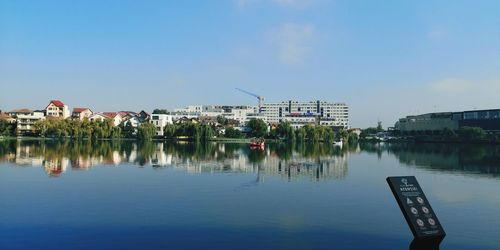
(243, 114)
(297, 121)
(329, 114)
(190, 109)
(160, 121)
(26, 120)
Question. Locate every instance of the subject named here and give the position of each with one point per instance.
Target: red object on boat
(259, 145)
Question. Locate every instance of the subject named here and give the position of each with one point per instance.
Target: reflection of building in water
(463, 159)
(159, 157)
(211, 158)
(55, 166)
(81, 163)
(326, 167)
(26, 156)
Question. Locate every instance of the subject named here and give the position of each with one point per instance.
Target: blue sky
(385, 59)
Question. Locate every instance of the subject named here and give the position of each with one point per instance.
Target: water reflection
(457, 158)
(289, 161)
(316, 162)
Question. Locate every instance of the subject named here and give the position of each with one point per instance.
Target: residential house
(144, 116)
(81, 113)
(135, 119)
(114, 116)
(127, 114)
(7, 117)
(186, 119)
(57, 108)
(97, 117)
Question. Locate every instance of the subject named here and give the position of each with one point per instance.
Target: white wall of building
(331, 114)
(25, 121)
(160, 121)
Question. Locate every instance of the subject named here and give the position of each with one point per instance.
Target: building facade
(26, 120)
(326, 113)
(488, 120)
(113, 116)
(57, 108)
(160, 121)
(81, 113)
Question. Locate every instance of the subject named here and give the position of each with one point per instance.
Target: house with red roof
(57, 108)
(81, 113)
(102, 116)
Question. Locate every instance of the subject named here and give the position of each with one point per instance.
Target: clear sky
(385, 59)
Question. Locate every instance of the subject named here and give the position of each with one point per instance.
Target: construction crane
(260, 98)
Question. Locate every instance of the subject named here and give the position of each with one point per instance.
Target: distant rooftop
(57, 103)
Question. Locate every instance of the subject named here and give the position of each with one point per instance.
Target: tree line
(76, 129)
(285, 131)
(96, 130)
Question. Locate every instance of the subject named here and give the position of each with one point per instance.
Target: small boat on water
(257, 144)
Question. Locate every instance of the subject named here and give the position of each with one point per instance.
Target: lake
(127, 195)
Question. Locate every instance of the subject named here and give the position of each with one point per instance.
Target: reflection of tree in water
(255, 156)
(376, 148)
(464, 158)
(315, 150)
(193, 151)
(145, 149)
(55, 155)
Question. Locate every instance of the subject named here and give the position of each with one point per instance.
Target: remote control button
(425, 210)
(420, 222)
(414, 211)
(431, 222)
(420, 200)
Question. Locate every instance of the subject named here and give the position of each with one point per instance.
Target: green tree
(169, 130)
(329, 135)
(472, 133)
(128, 131)
(258, 128)
(207, 132)
(343, 135)
(116, 132)
(379, 127)
(160, 111)
(352, 138)
(300, 134)
(285, 131)
(233, 133)
(146, 131)
(6, 128)
(221, 120)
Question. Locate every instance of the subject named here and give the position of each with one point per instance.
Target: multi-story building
(26, 120)
(57, 108)
(160, 121)
(297, 120)
(190, 109)
(242, 114)
(81, 113)
(326, 113)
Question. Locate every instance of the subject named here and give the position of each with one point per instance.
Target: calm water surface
(123, 195)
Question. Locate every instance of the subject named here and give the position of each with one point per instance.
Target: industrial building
(489, 120)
